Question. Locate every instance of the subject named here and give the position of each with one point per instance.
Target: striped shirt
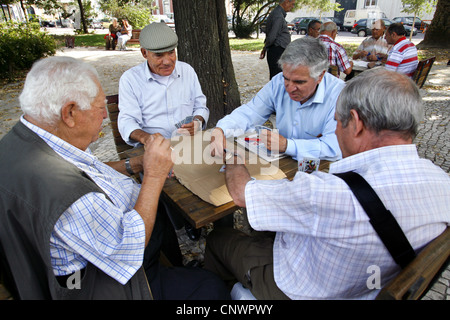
(325, 246)
(110, 235)
(403, 57)
(337, 56)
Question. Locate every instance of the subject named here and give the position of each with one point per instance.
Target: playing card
(259, 128)
(308, 165)
(188, 119)
(179, 124)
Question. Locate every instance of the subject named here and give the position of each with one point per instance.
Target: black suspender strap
(381, 219)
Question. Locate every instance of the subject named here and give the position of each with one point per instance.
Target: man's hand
(218, 142)
(273, 141)
(157, 160)
(262, 54)
(189, 129)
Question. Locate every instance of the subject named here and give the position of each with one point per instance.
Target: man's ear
(144, 53)
(357, 123)
(68, 113)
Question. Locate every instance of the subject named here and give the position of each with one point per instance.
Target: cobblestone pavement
(433, 140)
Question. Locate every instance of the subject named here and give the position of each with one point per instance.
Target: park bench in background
(423, 68)
(134, 36)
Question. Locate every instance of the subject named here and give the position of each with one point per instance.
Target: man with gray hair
(323, 244)
(337, 56)
(84, 229)
(303, 97)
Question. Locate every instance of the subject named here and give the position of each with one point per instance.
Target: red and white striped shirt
(403, 57)
(337, 55)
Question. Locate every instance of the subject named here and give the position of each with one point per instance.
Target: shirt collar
(400, 40)
(175, 74)
(371, 157)
(63, 148)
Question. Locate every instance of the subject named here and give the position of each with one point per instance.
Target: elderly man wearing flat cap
(161, 96)
(158, 95)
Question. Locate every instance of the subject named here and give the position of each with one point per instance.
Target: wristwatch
(128, 166)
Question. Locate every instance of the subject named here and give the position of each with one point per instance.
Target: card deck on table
(308, 165)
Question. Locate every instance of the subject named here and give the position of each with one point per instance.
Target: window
(370, 3)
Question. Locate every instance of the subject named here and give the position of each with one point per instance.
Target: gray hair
(328, 26)
(384, 100)
(308, 52)
(54, 81)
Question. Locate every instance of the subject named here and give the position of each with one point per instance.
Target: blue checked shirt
(110, 235)
(325, 246)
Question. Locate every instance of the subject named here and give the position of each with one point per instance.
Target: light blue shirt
(300, 123)
(155, 104)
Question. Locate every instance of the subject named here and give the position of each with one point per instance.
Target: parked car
(339, 22)
(97, 25)
(262, 25)
(362, 27)
(419, 24)
(163, 18)
(291, 25)
(48, 24)
(302, 25)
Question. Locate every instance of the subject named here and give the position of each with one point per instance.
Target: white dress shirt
(155, 104)
(325, 245)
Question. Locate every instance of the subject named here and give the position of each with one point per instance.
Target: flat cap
(158, 37)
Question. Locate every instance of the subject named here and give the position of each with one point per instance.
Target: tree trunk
(83, 19)
(202, 30)
(438, 33)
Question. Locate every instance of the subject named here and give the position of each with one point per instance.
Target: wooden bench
(112, 103)
(414, 280)
(135, 33)
(422, 71)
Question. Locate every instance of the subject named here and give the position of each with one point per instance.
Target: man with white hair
(375, 47)
(303, 97)
(337, 55)
(72, 227)
(319, 241)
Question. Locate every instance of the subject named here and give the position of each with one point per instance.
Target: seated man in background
(84, 229)
(303, 97)
(321, 243)
(314, 28)
(374, 48)
(403, 56)
(158, 95)
(160, 92)
(337, 56)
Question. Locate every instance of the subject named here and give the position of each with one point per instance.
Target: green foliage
(21, 44)
(137, 13)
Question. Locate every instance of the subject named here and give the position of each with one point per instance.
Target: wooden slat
(413, 280)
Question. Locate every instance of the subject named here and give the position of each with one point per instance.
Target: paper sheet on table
(360, 63)
(198, 171)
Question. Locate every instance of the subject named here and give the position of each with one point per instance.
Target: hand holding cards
(189, 125)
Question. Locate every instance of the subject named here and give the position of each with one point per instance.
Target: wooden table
(200, 213)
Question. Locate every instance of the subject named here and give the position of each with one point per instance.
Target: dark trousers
(236, 256)
(177, 282)
(273, 55)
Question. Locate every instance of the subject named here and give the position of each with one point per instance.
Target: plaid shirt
(337, 56)
(325, 245)
(110, 235)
